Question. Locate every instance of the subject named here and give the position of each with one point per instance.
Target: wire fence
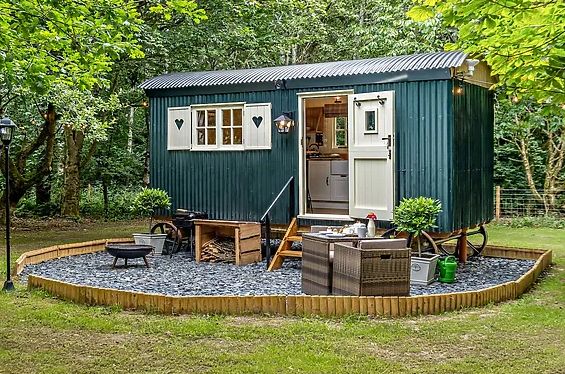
(511, 203)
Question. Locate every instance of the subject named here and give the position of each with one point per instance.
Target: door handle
(388, 140)
(327, 181)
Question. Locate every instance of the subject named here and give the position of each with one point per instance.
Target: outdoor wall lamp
(458, 89)
(284, 123)
(7, 127)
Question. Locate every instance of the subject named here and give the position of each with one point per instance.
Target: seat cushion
(383, 244)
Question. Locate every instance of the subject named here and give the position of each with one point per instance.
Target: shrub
(148, 200)
(414, 215)
(548, 221)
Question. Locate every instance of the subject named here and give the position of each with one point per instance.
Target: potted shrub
(145, 203)
(413, 216)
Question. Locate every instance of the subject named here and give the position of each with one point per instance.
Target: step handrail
(291, 204)
(266, 219)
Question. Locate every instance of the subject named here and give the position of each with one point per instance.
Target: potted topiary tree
(413, 216)
(145, 204)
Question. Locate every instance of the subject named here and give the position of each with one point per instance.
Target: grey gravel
(180, 275)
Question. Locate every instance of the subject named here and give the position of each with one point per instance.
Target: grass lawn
(42, 334)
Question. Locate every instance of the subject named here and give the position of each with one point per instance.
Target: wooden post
(497, 204)
(198, 242)
(462, 246)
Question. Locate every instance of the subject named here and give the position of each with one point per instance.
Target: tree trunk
(74, 141)
(106, 199)
(146, 176)
(22, 179)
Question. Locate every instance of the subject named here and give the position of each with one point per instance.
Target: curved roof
(417, 62)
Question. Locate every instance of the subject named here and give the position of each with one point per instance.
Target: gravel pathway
(181, 276)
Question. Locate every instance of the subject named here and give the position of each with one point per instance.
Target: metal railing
(266, 218)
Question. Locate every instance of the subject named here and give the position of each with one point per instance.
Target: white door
(371, 155)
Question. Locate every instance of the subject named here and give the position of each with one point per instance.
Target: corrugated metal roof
(424, 61)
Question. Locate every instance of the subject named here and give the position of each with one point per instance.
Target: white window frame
(336, 130)
(218, 108)
(377, 122)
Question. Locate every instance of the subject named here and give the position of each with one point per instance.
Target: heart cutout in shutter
(257, 121)
(179, 122)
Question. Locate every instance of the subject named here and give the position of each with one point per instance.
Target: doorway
(325, 154)
(347, 154)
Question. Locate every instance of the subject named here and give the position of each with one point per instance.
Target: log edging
(292, 305)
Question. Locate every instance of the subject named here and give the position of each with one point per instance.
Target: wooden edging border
(331, 306)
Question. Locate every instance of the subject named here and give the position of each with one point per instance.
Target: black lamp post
(7, 127)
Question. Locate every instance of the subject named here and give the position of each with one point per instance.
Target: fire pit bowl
(128, 251)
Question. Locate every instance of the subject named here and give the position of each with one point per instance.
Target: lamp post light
(7, 127)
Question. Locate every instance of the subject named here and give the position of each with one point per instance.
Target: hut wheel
(477, 241)
(427, 244)
(173, 240)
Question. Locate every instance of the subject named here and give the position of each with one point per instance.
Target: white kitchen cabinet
(328, 180)
(339, 188)
(319, 179)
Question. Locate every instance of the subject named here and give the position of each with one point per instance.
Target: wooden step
(291, 253)
(294, 238)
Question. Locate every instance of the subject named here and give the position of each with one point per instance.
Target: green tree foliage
(64, 52)
(522, 40)
(537, 141)
(248, 34)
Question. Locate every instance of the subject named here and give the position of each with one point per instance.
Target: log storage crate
(371, 272)
(247, 237)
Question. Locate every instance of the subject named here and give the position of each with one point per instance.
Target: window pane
(341, 123)
(211, 118)
(226, 136)
(341, 138)
(237, 117)
(370, 121)
(211, 136)
(200, 135)
(200, 118)
(237, 136)
(226, 117)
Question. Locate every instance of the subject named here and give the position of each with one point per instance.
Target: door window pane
(370, 121)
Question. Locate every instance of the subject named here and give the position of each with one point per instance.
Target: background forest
(69, 72)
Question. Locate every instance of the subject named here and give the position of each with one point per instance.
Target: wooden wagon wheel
(173, 240)
(477, 241)
(427, 243)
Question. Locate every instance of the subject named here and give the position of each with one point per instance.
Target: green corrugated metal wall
(241, 185)
(473, 161)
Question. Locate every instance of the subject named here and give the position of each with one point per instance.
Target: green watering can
(447, 269)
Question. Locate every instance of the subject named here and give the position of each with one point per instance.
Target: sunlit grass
(39, 333)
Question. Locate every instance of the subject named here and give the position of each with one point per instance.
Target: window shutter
(257, 124)
(178, 129)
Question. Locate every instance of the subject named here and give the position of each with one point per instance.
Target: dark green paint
(435, 154)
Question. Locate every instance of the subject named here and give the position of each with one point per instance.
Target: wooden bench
(247, 237)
